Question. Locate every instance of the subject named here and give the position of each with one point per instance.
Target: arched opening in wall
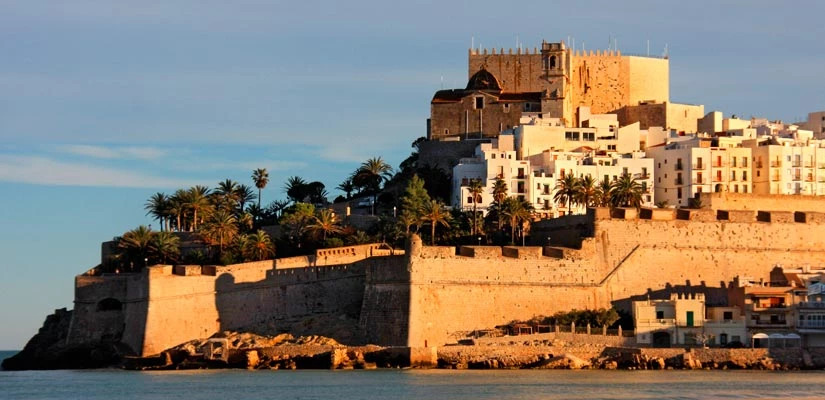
(661, 339)
(109, 304)
(552, 62)
(718, 188)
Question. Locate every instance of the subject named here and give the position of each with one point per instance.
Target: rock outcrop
(48, 349)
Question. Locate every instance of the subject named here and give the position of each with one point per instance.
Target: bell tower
(555, 67)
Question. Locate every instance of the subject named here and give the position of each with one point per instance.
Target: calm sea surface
(410, 384)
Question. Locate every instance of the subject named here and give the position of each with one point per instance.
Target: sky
(103, 103)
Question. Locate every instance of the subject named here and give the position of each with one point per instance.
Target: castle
(555, 82)
(429, 296)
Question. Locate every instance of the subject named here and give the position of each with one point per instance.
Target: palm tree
(259, 246)
(603, 193)
(294, 188)
(586, 191)
(517, 211)
(244, 195)
(261, 178)
(435, 214)
(371, 175)
(225, 196)
(165, 246)
(499, 190)
(177, 208)
(326, 222)
(475, 189)
(626, 192)
(220, 228)
(347, 187)
(499, 193)
(566, 190)
(197, 200)
(158, 206)
(135, 245)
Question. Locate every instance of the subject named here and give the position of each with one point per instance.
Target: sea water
(410, 384)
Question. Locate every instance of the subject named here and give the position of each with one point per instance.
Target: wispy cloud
(112, 152)
(41, 170)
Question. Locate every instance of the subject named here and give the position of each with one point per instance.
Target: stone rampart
(166, 305)
(624, 260)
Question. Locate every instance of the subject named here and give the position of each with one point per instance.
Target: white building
(685, 320)
(788, 165)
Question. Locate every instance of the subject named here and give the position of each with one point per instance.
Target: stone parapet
(809, 217)
(658, 214)
(736, 215)
(624, 213)
(480, 251)
(782, 217)
(522, 253)
(187, 270)
(696, 215)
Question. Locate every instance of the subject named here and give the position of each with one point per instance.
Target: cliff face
(48, 349)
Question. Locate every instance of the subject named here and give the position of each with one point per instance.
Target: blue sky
(103, 103)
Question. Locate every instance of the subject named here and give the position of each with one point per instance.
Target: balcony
(699, 165)
(811, 325)
(767, 324)
(718, 179)
(700, 181)
(811, 304)
(809, 164)
(821, 166)
(821, 179)
(809, 178)
(678, 181)
(679, 167)
(776, 164)
(797, 177)
(641, 176)
(776, 177)
(758, 164)
(796, 164)
(719, 164)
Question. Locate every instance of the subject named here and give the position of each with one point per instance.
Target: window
(699, 162)
(507, 107)
(723, 339)
(744, 175)
(446, 131)
(744, 162)
(479, 103)
(679, 193)
(494, 156)
(660, 314)
(470, 199)
(571, 136)
(552, 61)
(589, 136)
(611, 147)
(727, 315)
(744, 188)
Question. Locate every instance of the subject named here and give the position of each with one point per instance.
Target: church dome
(483, 80)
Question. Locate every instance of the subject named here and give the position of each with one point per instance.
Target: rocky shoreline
(250, 351)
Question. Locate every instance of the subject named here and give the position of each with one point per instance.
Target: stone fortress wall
(166, 305)
(432, 295)
(621, 259)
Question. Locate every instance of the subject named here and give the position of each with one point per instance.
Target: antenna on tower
(665, 55)
(609, 42)
(648, 47)
(615, 44)
(518, 44)
(442, 82)
(472, 42)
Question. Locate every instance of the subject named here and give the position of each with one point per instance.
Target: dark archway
(661, 339)
(109, 304)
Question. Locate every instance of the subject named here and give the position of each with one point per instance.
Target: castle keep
(553, 81)
(432, 295)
